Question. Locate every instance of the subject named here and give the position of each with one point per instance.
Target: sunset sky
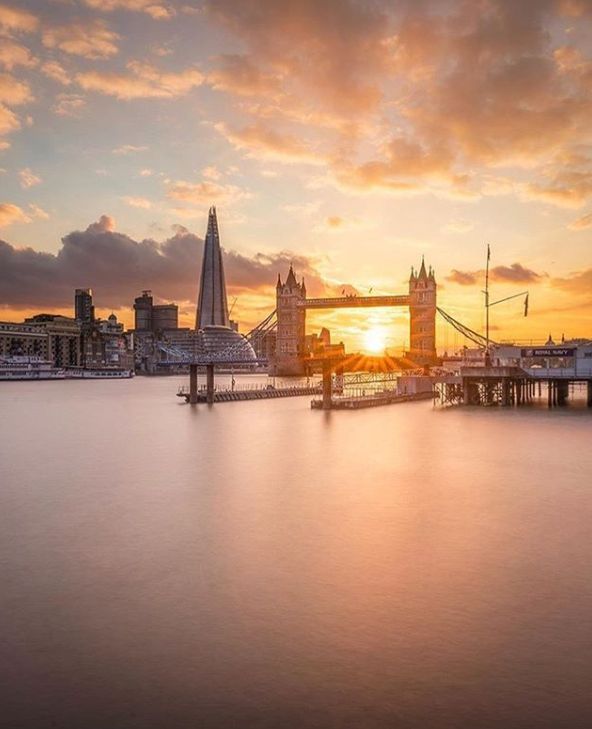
(346, 137)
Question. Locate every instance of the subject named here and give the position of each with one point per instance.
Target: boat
(29, 368)
(107, 373)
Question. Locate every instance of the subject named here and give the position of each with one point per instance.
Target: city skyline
(378, 133)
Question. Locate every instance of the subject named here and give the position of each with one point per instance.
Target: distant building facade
(153, 324)
(107, 346)
(63, 338)
(23, 340)
(151, 317)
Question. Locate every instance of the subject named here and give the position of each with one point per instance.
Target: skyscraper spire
(212, 306)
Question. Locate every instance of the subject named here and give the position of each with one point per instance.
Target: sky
(346, 137)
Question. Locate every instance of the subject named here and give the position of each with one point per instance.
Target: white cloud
(28, 178)
(137, 202)
(125, 149)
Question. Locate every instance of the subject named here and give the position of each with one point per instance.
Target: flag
(526, 305)
(488, 252)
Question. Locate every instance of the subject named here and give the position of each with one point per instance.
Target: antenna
(489, 304)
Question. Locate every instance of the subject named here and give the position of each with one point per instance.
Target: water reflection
(261, 565)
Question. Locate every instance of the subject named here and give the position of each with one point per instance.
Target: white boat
(29, 368)
(79, 373)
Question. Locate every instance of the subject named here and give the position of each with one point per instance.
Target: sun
(374, 340)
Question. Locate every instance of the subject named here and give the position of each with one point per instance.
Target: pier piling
(210, 384)
(327, 395)
(193, 384)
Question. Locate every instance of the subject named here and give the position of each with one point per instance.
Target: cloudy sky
(349, 137)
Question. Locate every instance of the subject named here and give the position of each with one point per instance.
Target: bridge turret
(291, 325)
(422, 315)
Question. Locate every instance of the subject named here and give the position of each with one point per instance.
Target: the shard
(215, 336)
(212, 305)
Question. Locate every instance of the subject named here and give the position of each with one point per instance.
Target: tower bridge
(292, 304)
(354, 302)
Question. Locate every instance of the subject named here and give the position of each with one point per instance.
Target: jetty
(373, 400)
(265, 392)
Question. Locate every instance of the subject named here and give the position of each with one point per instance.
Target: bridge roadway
(353, 302)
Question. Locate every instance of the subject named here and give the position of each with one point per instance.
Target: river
(259, 564)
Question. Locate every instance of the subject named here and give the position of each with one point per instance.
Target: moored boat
(29, 368)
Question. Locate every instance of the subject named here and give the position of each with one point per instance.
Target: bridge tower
(291, 326)
(422, 315)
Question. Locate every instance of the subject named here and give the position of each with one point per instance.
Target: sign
(548, 352)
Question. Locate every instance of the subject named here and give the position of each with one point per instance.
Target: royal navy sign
(549, 352)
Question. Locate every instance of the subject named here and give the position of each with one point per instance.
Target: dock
(262, 393)
(370, 401)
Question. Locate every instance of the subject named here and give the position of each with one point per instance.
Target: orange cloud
(156, 10)
(137, 202)
(566, 187)
(264, 143)
(16, 20)
(581, 223)
(143, 81)
(56, 72)
(239, 75)
(516, 273)
(458, 90)
(204, 193)
(91, 40)
(13, 54)
(9, 122)
(14, 92)
(10, 214)
(69, 105)
(405, 166)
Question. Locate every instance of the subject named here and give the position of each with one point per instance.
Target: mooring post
(466, 391)
(210, 384)
(193, 384)
(505, 392)
(589, 393)
(327, 399)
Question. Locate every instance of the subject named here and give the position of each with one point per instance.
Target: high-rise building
(212, 305)
(212, 322)
(84, 311)
(143, 312)
(165, 316)
(151, 317)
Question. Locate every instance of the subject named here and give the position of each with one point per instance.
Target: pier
(516, 375)
(209, 394)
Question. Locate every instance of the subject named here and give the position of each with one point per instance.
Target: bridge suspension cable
(466, 331)
(265, 326)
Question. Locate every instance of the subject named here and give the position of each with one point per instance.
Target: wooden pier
(369, 401)
(262, 393)
(507, 386)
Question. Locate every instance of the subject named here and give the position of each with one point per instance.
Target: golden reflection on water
(259, 564)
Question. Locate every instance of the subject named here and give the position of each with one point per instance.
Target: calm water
(262, 565)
